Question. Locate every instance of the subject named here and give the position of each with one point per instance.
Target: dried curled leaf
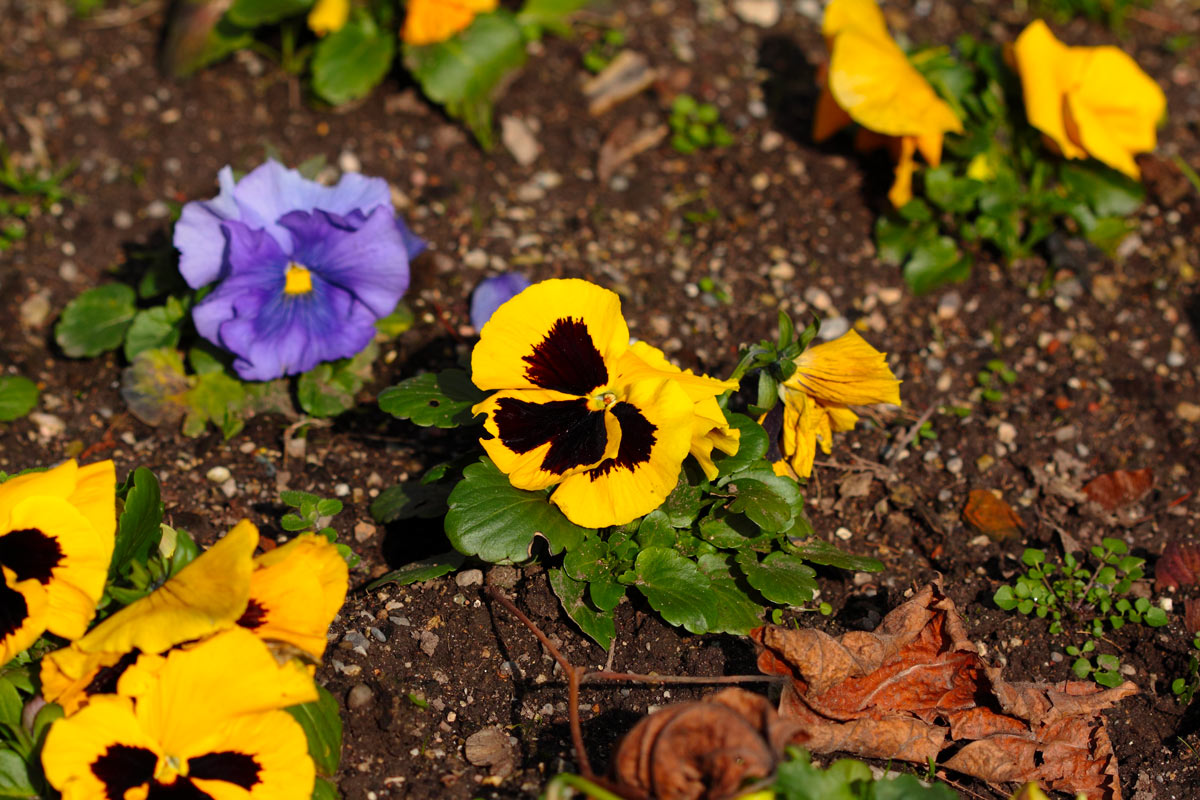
(1179, 565)
(1120, 488)
(703, 750)
(991, 516)
(916, 689)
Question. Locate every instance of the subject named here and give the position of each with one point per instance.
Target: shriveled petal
(1048, 71)
(493, 292)
(271, 190)
(206, 596)
(559, 335)
(710, 429)
(799, 433)
(296, 591)
(901, 191)
(370, 261)
(655, 417)
(433, 21)
(846, 371)
(198, 235)
(541, 437)
(871, 79)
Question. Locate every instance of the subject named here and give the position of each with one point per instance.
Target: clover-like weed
(697, 126)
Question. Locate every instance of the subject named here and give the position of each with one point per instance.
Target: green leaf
(18, 396)
(10, 704)
(198, 35)
(605, 594)
(767, 499)
(411, 500)
(218, 397)
(736, 612)
(323, 728)
(819, 551)
(935, 261)
(780, 577)
(329, 388)
(324, 790)
(442, 399)
(14, 776)
(155, 387)
(655, 531)
(682, 505)
(1107, 192)
(397, 322)
(586, 560)
(598, 625)
(730, 531)
(348, 63)
(797, 779)
(424, 570)
(908, 787)
(139, 526)
(538, 15)
(95, 321)
(751, 446)
(491, 519)
(252, 13)
(676, 588)
(154, 327)
(462, 72)
(1155, 617)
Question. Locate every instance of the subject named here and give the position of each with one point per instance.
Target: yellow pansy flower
(205, 721)
(433, 21)
(1090, 101)
(574, 406)
(828, 378)
(295, 592)
(870, 81)
(328, 16)
(57, 530)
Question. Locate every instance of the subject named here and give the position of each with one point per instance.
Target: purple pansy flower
(494, 292)
(302, 270)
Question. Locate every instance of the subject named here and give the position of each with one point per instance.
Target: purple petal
(414, 244)
(256, 268)
(370, 262)
(198, 235)
(292, 334)
(493, 293)
(271, 190)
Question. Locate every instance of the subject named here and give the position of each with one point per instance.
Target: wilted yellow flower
(328, 16)
(433, 21)
(828, 378)
(1090, 101)
(870, 81)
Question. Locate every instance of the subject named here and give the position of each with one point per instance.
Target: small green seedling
(603, 50)
(1106, 670)
(1185, 688)
(315, 514)
(697, 126)
(993, 378)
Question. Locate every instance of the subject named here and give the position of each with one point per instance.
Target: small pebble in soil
(363, 531)
(1006, 432)
(341, 489)
(949, 305)
(954, 465)
(833, 327)
(356, 639)
(469, 577)
(378, 634)
(218, 475)
(122, 220)
(844, 534)
(763, 13)
(359, 696)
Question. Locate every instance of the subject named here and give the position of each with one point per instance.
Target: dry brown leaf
(626, 142)
(1120, 488)
(625, 76)
(992, 516)
(1191, 615)
(1179, 565)
(703, 750)
(916, 686)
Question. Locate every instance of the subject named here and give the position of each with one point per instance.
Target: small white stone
(348, 162)
(890, 295)
(1006, 433)
(771, 141)
(475, 259)
(763, 13)
(1166, 604)
(833, 327)
(760, 182)
(218, 475)
(519, 139)
(844, 534)
(949, 305)
(122, 220)
(342, 489)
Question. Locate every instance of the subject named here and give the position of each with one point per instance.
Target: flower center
(602, 400)
(169, 768)
(297, 279)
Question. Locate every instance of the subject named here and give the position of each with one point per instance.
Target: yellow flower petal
(861, 14)
(328, 16)
(656, 431)
(1047, 69)
(78, 748)
(846, 371)
(207, 595)
(871, 79)
(541, 437)
(278, 746)
(558, 335)
(68, 674)
(59, 482)
(24, 605)
(296, 592)
(901, 191)
(432, 21)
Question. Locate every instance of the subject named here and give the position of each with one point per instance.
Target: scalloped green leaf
(328, 389)
(95, 321)
(751, 446)
(818, 551)
(348, 63)
(18, 396)
(766, 498)
(491, 519)
(252, 13)
(440, 399)
(676, 588)
(736, 612)
(780, 577)
(598, 625)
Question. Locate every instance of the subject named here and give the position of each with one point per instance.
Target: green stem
(559, 784)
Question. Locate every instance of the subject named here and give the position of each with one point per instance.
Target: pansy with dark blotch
(201, 723)
(57, 530)
(575, 407)
(302, 271)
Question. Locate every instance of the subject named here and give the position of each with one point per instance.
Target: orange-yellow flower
(828, 378)
(328, 16)
(1090, 101)
(869, 81)
(433, 21)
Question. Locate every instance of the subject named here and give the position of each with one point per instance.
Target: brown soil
(1104, 356)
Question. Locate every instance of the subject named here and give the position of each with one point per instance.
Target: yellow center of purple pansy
(297, 279)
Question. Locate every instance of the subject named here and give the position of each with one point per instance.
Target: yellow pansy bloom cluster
(576, 406)
(1088, 101)
(183, 690)
(433, 21)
